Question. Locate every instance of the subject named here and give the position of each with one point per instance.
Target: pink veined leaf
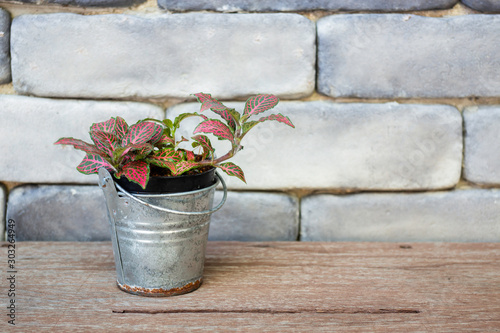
(121, 128)
(278, 117)
(165, 158)
(247, 126)
(141, 132)
(205, 143)
(183, 139)
(190, 155)
(184, 166)
(107, 126)
(167, 154)
(216, 127)
(228, 117)
(208, 102)
(142, 148)
(104, 141)
(169, 164)
(91, 164)
(79, 144)
(260, 103)
(165, 140)
(136, 171)
(157, 136)
(232, 170)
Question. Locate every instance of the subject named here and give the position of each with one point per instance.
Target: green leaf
(248, 126)
(183, 116)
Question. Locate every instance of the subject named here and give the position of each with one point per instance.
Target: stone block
(30, 126)
(78, 213)
(163, 56)
(482, 144)
(4, 47)
(79, 3)
(3, 205)
(255, 216)
(300, 5)
(455, 216)
(406, 56)
(483, 5)
(346, 146)
(59, 213)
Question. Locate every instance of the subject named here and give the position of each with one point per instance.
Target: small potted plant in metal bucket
(160, 196)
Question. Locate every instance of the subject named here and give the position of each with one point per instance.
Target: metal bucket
(159, 240)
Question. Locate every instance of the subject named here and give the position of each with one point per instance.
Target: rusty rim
(160, 292)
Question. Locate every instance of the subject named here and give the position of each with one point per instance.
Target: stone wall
(396, 106)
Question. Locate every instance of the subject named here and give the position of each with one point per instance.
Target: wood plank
(265, 287)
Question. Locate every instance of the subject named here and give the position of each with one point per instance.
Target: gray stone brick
(79, 3)
(347, 146)
(256, 216)
(300, 5)
(4, 47)
(482, 144)
(59, 213)
(118, 56)
(78, 213)
(3, 203)
(30, 126)
(455, 216)
(399, 55)
(483, 5)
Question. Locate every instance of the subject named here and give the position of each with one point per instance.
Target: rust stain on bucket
(159, 291)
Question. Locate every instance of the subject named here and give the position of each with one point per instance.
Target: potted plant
(159, 196)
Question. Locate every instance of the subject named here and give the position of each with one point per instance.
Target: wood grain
(269, 287)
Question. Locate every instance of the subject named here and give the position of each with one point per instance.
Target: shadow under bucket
(159, 240)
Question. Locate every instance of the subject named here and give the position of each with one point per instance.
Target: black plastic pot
(177, 184)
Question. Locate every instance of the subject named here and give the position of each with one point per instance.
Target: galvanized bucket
(159, 240)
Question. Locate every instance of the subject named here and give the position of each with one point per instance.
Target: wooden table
(266, 287)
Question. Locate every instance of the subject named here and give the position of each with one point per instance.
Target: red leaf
(216, 127)
(208, 102)
(205, 143)
(104, 141)
(142, 148)
(167, 154)
(190, 155)
(167, 164)
(91, 163)
(278, 117)
(121, 128)
(232, 170)
(184, 166)
(141, 132)
(136, 171)
(79, 144)
(165, 140)
(107, 126)
(260, 103)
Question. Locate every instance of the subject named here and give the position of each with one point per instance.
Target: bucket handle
(167, 210)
